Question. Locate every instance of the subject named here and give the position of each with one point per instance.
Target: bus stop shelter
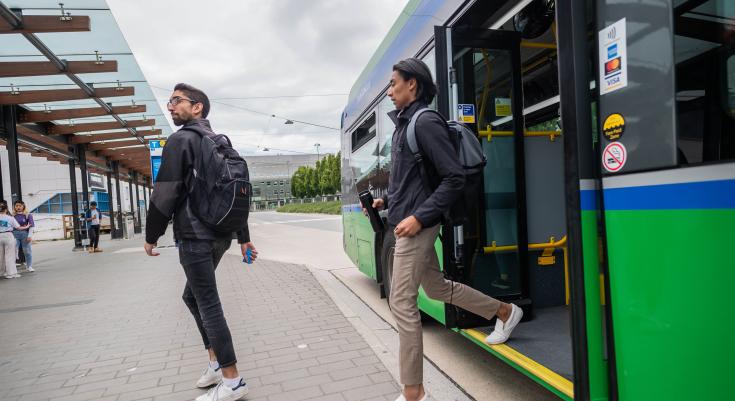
(71, 91)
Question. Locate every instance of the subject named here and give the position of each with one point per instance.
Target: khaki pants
(415, 263)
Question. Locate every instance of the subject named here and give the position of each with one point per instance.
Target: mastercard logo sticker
(612, 66)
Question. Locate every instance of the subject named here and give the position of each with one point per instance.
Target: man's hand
(378, 204)
(150, 249)
(253, 253)
(29, 239)
(409, 227)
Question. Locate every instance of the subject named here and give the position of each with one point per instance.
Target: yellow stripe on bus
(547, 375)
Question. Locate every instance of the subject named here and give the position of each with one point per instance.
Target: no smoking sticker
(614, 157)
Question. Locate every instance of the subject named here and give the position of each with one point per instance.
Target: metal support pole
(11, 144)
(110, 202)
(116, 171)
(145, 196)
(138, 227)
(130, 190)
(82, 155)
(75, 206)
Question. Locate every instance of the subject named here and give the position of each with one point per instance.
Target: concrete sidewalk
(112, 327)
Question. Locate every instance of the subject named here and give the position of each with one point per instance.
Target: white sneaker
(16, 275)
(9, 276)
(30, 269)
(210, 377)
(503, 329)
(402, 398)
(224, 393)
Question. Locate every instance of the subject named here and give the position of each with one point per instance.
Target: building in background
(47, 192)
(271, 177)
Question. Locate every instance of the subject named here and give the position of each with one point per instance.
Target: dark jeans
(199, 259)
(94, 236)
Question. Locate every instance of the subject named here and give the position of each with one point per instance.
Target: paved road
(112, 327)
(307, 325)
(314, 242)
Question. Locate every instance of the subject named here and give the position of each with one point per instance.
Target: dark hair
(3, 206)
(93, 203)
(20, 202)
(196, 95)
(415, 68)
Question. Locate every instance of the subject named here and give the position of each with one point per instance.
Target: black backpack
(471, 157)
(219, 186)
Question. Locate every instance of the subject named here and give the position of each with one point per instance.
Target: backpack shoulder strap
(413, 144)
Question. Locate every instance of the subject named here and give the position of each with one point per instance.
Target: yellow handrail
(489, 133)
(562, 243)
(493, 248)
(538, 45)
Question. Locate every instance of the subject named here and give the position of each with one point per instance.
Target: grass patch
(334, 207)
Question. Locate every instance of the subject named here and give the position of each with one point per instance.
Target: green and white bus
(608, 207)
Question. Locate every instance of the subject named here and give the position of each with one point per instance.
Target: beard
(178, 121)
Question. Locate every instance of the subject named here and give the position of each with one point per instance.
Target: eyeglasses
(177, 99)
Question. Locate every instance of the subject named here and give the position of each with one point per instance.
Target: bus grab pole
(458, 230)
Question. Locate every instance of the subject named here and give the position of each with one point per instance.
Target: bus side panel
(359, 240)
(348, 233)
(365, 245)
(671, 277)
(597, 369)
(432, 307)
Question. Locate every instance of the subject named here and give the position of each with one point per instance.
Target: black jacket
(406, 193)
(169, 197)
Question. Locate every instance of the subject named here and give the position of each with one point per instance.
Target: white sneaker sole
(209, 383)
(402, 398)
(511, 324)
(230, 397)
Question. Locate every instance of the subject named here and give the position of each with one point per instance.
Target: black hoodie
(169, 197)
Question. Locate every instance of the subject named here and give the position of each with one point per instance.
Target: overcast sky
(254, 49)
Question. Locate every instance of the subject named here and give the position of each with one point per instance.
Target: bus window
(705, 81)
(364, 133)
(364, 158)
(430, 60)
(386, 131)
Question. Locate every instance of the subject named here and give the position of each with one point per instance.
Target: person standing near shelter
(200, 247)
(415, 214)
(7, 241)
(93, 227)
(24, 236)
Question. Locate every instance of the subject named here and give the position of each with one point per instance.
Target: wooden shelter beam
(84, 138)
(88, 127)
(60, 95)
(39, 68)
(128, 152)
(47, 24)
(112, 145)
(51, 115)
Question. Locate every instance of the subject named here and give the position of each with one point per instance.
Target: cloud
(242, 49)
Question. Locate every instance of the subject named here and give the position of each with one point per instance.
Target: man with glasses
(200, 248)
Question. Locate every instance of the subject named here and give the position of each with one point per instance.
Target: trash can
(129, 227)
(83, 233)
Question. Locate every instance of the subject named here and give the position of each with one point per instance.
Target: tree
(299, 182)
(324, 179)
